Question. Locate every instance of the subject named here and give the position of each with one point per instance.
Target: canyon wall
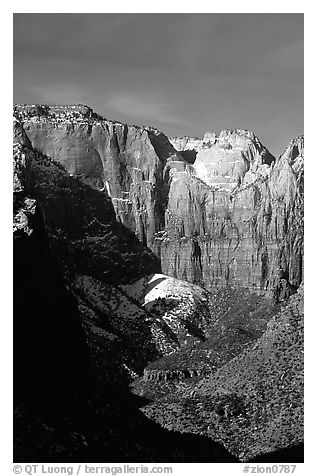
(84, 234)
(129, 164)
(218, 211)
(238, 217)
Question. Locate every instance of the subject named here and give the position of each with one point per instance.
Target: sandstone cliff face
(222, 161)
(244, 228)
(81, 222)
(130, 164)
(219, 211)
(188, 147)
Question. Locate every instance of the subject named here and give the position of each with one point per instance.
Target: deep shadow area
(84, 234)
(189, 155)
(294, 454)
(61, 412)
(105, 428)
(49, 348)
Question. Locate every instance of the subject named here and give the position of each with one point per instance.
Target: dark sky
(183, 73)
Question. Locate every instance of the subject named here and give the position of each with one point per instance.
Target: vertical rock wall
(227, 214)
(128, 163)
(248, 233)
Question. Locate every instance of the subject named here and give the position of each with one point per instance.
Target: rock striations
(226, 215)
(81, 222)
(129, 164)
(229, 219)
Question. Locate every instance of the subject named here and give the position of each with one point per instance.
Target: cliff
(81, 223)
(228, 214)
(95, 253)
(188, 147)
(129, 164)
(235, 217)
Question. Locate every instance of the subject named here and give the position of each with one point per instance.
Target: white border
(59, 6)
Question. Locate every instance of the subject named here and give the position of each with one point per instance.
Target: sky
(182, 73)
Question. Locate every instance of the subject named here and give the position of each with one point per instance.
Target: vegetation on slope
(253, 404)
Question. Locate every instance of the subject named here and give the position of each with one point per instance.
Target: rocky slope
(228, 321)
(183, 307)
(253, 404)
(125, 333)
(229, 214)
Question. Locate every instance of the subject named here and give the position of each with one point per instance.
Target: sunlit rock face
(80, 221)
(216, 211)
(128, 163)
(236, 216)
(226, 160)
(222, 161)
